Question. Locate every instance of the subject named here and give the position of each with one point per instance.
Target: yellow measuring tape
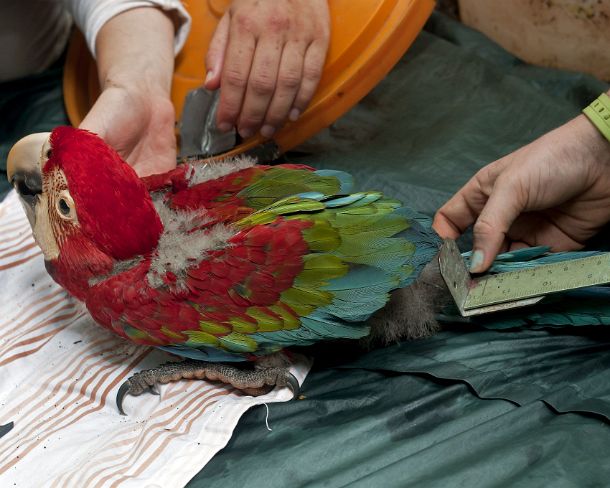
(599, 114)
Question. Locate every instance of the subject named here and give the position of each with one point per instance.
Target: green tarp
(470, 406)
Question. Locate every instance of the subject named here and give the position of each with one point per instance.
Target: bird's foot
(253, 381)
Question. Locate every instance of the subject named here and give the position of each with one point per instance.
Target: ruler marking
(538, 281)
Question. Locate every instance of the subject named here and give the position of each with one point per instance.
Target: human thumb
(492, 225)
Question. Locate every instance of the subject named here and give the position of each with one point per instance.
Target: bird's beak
(24, 169)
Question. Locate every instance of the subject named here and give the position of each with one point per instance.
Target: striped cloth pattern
(59, 374)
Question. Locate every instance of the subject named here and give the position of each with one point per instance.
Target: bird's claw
(293, 384)
(129, 387)
(123, 390)
(6, 428)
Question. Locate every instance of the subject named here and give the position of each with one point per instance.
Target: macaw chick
(221, 262)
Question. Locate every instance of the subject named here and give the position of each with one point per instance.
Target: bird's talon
(6, 428)
(293, 384)
(123, 391)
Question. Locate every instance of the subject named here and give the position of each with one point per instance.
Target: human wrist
(591, 140)
(598, 113)
(145, 82)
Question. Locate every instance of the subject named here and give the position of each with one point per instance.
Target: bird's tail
(412, 312)
(419, 310)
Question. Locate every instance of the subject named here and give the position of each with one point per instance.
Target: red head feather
(113, 206)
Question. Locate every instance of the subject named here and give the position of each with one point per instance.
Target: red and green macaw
(229, 261)
(216, 262)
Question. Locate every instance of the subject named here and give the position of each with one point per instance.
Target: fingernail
(294, 114)
(267, 130)
(209, 75)
(224, 127)
(476, 261)
(245, 133)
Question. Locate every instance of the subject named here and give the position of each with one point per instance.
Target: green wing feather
(279, 182)
(362, 246)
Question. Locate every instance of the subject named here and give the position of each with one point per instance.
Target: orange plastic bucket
(368, 37)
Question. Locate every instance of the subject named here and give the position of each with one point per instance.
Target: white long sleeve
(34, 33)
(91, 15)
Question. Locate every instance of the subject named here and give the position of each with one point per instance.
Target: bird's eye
(49, 153)
(63, 207)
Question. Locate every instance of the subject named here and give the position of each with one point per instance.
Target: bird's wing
(301, 270)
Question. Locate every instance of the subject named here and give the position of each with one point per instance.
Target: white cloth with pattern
(59, 375)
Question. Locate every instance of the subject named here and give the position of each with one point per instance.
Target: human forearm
(136, 47)
(134, 113)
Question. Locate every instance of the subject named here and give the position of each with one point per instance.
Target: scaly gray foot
(251, 381)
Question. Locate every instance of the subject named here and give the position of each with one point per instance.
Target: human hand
(554, 191)
(138, 122)
(267, 55)
(134, 113)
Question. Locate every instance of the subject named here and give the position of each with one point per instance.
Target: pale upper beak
(24, 166)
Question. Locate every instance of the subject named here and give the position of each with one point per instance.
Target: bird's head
(81, 198)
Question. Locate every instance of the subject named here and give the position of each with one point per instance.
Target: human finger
(503, 207)
(261, 85)
(453, 218)
(313, 65)
(288, 84)
(216, 53)
(235, 72)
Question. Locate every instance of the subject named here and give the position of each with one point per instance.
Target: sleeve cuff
(93, 15)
